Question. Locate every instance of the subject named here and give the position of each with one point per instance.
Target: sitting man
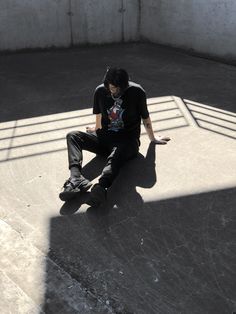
(119, 106)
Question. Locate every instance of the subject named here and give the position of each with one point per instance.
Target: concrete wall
(204, 26)
(106, 21)
(33, 23)
(96, 21)
(131, 20)
(47, 23)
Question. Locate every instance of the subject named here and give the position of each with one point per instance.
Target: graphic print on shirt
(115, 116)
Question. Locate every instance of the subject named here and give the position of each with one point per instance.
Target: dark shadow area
(36, 84)
(169, 256)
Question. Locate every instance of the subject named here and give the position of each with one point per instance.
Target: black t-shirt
(121, 116)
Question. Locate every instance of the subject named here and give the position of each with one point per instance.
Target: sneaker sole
(66, 196)
(92, 204)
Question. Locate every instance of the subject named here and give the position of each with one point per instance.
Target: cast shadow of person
(122, 196)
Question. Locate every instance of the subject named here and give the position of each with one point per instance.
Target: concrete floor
(164, 241)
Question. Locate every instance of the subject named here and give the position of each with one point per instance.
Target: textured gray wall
(105, 21)
(33, 23)
(47, 23)
(204, 26)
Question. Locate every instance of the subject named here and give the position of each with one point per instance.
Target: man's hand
(90, 129)
(161, 140)
(154, 139)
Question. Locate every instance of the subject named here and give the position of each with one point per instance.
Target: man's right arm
(98, 124)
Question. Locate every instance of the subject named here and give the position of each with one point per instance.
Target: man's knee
(123, 153)
(74, 135)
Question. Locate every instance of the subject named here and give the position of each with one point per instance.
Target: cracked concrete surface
(164, 241)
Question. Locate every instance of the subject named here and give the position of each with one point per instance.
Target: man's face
(114, 89)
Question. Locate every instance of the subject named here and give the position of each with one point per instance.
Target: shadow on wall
(169, 256)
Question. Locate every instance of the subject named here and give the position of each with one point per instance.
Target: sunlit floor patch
(46, 134)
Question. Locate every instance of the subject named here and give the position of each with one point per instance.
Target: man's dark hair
(117, 77)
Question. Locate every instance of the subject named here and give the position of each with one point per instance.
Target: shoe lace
(68, 182)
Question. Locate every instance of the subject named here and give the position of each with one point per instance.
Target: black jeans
(117, 151)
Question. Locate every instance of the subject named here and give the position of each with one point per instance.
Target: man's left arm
(148, 123)
(155, 139)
